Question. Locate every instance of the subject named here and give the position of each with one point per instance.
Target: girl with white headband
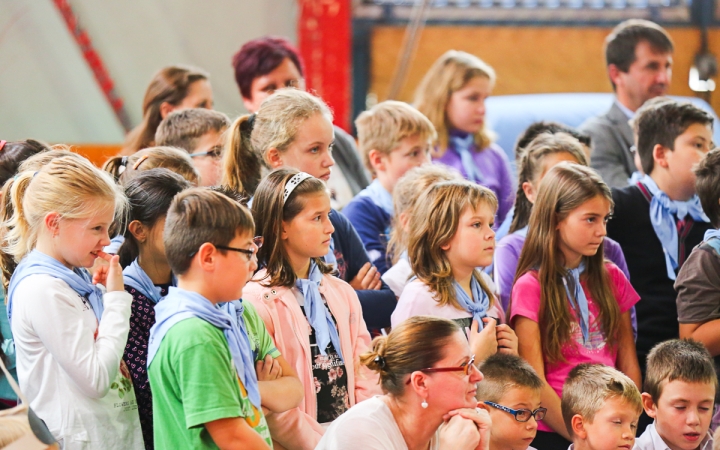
(315, 318)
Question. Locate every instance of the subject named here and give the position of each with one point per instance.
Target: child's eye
(704, 408)
(315, 150)
(477, 224)
(680, 408)
(98, 228)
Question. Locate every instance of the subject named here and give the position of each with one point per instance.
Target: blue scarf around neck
(463, 144)
(135, 277)
(79, 279)
(578, 300)
(380, 196)
(663, 211)
(181, 304)
(478, 305)
(317, 313)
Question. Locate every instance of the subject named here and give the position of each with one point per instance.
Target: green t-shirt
(194, 381)
(261, 342)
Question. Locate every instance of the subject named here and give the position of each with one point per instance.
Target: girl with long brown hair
(450, 235)
(314, 317)
(570, 306)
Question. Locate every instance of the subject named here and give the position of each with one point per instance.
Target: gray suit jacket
(612, 138)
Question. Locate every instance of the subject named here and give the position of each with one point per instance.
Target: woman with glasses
(430, 380)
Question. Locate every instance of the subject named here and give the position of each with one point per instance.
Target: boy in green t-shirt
(200, 363)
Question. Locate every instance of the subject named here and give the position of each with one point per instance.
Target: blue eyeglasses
(521, 415)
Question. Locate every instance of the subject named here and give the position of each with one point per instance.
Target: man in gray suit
(638, 55)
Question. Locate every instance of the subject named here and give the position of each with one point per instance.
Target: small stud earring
(424, 404)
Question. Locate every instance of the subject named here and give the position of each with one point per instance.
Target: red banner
(324, 39)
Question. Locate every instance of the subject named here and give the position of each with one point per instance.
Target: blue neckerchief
(712, 238)
(712, 233)
(478, 305)
(662, 210)
(578, 300)
(463, 144)
(79, 279)
(330, 257)
(115, 244)
(380, 196)
(236, 308)
(522, 231)
(181, 304)
(635, 178)
(135, 277)
(317, 313)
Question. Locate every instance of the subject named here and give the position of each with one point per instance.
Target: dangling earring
(424, 404)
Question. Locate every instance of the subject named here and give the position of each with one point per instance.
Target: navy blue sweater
(373, 225)
(377, 306)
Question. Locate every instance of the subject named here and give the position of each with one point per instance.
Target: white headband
(293, 183)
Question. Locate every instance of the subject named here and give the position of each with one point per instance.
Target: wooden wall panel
(526, 59)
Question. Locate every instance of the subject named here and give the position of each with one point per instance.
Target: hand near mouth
(110, 275)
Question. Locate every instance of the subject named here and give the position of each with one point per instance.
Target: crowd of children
(207, 289)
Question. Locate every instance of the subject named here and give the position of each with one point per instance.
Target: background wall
(527, 59)
(48, 92)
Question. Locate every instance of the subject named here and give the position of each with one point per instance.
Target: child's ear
(274, 159)
(377, 162)
(52, 222)
(138, 231)
(660, 156)
(529, 191)
(649, 405)
(283, 232)
(206, 256)
(578, 426)
(404, 219)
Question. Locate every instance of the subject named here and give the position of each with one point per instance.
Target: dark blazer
(612, 138)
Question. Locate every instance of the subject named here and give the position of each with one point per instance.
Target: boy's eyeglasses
(465, 368)
(257, 242)
(521, 415)
(215, 153)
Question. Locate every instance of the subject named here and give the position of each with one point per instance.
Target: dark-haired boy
(200, 132)
(679, 393)
(510, 383)
(200, 364)
(658, 220)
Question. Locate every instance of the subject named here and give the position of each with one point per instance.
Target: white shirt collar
(651, 440)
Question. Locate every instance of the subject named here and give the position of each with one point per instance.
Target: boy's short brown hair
(197, 216)
(383, 126)
(678, 359)
(660, 121)
(589, 386)
(707, 185)
(185, 127)
(504, 372)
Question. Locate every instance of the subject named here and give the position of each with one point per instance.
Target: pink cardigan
(298, 428)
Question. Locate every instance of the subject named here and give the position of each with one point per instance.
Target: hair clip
(140, 161)
(380, 361)
(293, 183)
(2, 145)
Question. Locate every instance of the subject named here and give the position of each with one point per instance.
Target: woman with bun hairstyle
(429, 379)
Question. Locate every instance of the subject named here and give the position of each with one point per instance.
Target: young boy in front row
(510, 391)
(679, 394)
(200, 132)
(199, 362)
(393, 138)
(658, 220)
(600, 407)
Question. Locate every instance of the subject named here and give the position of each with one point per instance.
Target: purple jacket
(495, 168)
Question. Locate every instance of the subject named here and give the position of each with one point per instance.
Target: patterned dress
(142, 318)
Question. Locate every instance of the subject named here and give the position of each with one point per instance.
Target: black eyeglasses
(521, 415)
(215, 153)
(465, 368)
(257, 242)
